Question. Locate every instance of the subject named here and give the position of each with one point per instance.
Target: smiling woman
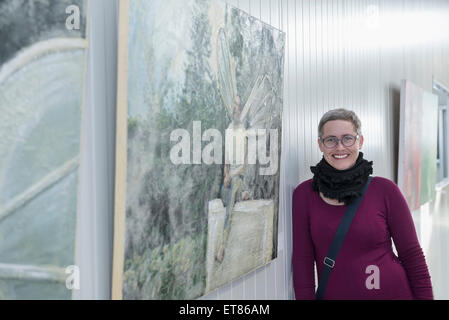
(320, 205)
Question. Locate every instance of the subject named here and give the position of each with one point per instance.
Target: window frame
(443, 136)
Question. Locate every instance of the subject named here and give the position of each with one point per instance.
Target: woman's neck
(330, 201)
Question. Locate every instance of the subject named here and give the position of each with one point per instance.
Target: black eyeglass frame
(340, 140)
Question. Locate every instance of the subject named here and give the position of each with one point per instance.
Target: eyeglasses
(346, 140)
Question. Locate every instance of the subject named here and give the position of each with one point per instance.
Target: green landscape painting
(202, 86)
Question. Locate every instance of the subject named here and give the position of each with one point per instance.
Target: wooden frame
(121, 143)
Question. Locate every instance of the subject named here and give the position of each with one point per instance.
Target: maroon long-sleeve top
(366, 266)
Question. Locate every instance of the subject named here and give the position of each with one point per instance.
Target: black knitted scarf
(342, 185)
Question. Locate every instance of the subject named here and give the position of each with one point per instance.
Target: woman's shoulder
(304, 187)
(384, 182)
(384, 185)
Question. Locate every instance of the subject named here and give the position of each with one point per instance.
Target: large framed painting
(42, 66)
(417, 144)
(198, 147)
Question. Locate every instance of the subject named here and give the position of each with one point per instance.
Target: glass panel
(42, 69)
(32, 290)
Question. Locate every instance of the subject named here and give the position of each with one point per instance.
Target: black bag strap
(337, 242)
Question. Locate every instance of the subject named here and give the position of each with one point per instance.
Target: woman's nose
(340, 145)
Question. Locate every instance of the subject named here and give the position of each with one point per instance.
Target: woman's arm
(303, 254)
(410, 254)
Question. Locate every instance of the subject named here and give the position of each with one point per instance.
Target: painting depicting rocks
(42, 66)
(198, 147)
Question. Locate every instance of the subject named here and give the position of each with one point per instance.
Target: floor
(432, 226)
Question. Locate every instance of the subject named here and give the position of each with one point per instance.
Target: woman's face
(340, 157)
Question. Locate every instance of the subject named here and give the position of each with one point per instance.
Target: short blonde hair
(340, 114)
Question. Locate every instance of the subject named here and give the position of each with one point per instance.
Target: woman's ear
(361, 142)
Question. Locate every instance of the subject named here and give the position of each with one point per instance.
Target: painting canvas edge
(400, 181)
(121, 154)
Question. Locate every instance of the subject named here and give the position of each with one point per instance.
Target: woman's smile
(340, 156)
